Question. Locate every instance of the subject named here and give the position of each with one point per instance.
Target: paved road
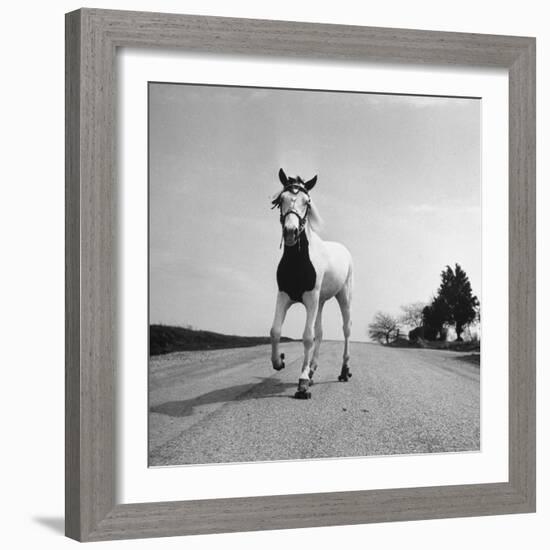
(230, 406)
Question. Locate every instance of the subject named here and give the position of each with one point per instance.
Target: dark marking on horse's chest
(296, 274)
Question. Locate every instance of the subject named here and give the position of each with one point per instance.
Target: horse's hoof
(311, 382)
(301, 392)
(282, 365)
(302, 395)
(345, 374)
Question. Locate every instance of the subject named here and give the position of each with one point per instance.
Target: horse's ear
(282, 177)
(311, 183)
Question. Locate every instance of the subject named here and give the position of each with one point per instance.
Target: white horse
(311, 271)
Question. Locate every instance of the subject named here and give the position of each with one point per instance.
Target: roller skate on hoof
(302, 392)
(281, 364)
(311, 373)
(345, 374)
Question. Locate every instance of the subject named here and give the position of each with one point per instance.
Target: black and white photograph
(314, 274)
(275, 275)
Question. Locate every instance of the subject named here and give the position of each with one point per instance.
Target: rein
(294, 188)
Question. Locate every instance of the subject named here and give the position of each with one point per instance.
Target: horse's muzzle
(290, 236)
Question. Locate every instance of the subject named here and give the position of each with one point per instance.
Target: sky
(399, 184)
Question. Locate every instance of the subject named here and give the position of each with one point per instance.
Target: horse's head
(294, 204)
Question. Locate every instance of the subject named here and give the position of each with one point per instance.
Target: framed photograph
(300, 275)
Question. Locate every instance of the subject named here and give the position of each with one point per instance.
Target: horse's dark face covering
(295, 274)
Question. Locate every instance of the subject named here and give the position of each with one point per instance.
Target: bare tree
(384, 328)
(412, 314)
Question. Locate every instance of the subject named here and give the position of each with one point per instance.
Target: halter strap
(294, 188)
(301, 222)
(301, 219)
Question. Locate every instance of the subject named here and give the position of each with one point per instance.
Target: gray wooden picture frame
(92, 39)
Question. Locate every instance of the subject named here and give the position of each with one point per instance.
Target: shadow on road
(269, 387)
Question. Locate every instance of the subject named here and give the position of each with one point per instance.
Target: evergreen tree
(455, 302)
(434, 316)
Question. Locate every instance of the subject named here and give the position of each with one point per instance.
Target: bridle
(294, 188)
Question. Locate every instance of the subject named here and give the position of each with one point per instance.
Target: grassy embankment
(167, 339)
(473, 347)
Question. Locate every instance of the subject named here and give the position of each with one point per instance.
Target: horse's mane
(314, 218)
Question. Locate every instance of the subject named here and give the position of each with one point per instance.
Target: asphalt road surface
(231, 406)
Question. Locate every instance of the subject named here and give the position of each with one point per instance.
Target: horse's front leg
(281, 307)
(311, 302)
(317, 344)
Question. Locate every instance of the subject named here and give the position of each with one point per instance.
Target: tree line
(453, 305)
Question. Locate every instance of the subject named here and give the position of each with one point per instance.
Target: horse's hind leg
(344, 301)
